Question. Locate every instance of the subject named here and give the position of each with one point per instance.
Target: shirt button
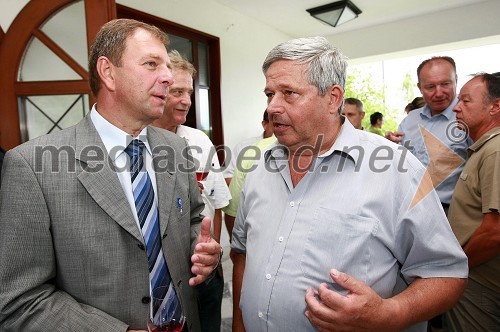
(268, 276)
(260, 315)
(292, 204)
(280, 238)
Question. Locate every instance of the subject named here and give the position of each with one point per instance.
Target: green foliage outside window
(372, 94)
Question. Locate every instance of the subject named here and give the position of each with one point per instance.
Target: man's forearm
(424, 299)
(484, 244)
(229, 220)
(217, 224)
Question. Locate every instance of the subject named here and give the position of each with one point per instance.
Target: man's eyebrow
(151, 56)
(284, 86)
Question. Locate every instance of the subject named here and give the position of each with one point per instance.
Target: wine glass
(166, 311)
(201, 174)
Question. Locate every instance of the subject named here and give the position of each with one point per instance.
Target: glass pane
(203, 73)
(204, 121)
(41, 115)
(182, 45)
(67, 29)
(39, 63)
(330, 17)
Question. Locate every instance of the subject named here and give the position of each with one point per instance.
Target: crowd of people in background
(325, 233)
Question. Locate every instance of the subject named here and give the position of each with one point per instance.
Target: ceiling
(291, 18)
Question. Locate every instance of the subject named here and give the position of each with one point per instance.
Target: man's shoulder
(413, 118)
(58, 140)
(193, 134)
(166, 136)
(491, 143)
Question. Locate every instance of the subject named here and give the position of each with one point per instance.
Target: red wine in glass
(200, 175)
(171, 327)
(167, 311)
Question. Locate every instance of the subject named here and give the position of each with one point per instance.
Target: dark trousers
(210, 301)
(477, 310)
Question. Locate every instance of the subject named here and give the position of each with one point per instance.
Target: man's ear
(336, 98)
(495, 107)
(264, 123)
(105, 69)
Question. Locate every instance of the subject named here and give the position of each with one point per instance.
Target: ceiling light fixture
(335, 13)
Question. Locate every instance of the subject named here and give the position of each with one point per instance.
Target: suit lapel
(164, 165)
(100, 179)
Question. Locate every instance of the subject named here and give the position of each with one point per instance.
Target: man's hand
(360, 309)
(206, 254)
(201, 186)
(395, 137)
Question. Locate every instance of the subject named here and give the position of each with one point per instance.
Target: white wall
(9, 10)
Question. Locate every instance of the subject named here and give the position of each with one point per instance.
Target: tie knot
(135, 148)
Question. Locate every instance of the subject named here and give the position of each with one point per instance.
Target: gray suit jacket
(71, 255)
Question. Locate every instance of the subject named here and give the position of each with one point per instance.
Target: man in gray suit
(73, 256)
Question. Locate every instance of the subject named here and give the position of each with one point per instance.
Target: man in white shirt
(215, 192)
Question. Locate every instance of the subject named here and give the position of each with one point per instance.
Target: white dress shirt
(116, 141)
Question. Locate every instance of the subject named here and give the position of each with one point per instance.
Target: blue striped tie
(147, 212)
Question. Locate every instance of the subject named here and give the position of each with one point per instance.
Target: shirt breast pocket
(338, 240)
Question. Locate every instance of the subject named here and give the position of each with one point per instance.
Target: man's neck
(133, 127)
(165, 125)
(172, 128)
(482, 131)
(300, 160)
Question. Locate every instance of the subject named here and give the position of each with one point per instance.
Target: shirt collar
(448, 111)
(482, 140)
(114, 139)
(347, 137)
(182, 132)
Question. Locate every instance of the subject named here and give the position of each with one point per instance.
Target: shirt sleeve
(489, 175)
(239, 237)
(425, 245)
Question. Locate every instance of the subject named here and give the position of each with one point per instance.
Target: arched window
(43, 61)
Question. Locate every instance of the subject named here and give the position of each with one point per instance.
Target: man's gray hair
(327, 65)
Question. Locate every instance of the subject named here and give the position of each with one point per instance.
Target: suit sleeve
(195, 200)
(29, 300)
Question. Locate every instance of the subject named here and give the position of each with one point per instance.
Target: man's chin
(180, 120)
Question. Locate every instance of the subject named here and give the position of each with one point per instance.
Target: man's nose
(186, 98)
(166, 76)
(274, 105)
(439, 90)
